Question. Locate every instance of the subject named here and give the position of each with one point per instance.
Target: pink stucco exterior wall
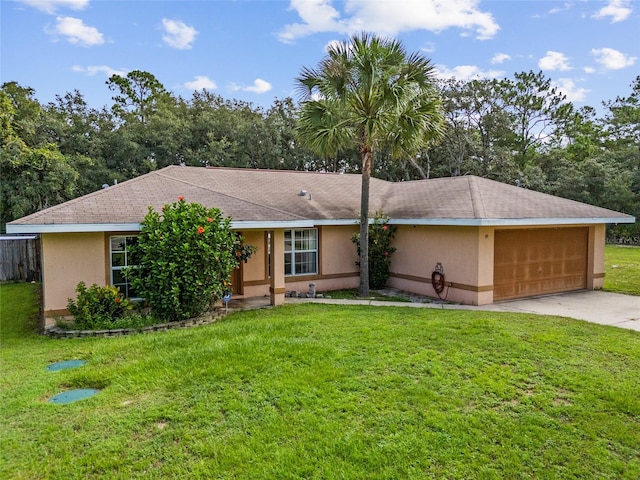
(465, 253)
(67, 259)
(595, 271)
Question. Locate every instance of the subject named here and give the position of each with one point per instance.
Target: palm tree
(367, 92)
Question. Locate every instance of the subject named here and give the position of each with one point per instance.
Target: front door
(236, 281)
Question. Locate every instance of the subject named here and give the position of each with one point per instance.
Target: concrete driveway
(593, 306)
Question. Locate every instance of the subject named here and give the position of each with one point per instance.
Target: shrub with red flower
(243, 252)
(179, 274)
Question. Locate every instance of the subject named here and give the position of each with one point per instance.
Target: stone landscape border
(213, 317)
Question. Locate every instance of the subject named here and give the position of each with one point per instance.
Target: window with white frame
(120, 256)
(301, 252)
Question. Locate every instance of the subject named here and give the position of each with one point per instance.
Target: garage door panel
(539, 261)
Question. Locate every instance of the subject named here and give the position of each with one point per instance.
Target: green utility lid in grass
(73, 395)
(64, 365)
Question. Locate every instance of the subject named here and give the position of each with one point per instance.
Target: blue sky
(253, 50)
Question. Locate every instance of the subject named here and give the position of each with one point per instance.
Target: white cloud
(259, 86)
(554, 61)
(178, 34)
(566, 6)
(76, 32)
(466, 72)
(569, 88)
(589, 70)
(51, 6)
(388, 18)
(612, 59)
(429, 47)
(317, 15)
(500, 58)
(201, 82)
(93, 70)
(618, 10)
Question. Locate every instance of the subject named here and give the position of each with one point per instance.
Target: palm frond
(371, 92)
(323, 128)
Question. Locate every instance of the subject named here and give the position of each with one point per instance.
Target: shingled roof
(272, 198)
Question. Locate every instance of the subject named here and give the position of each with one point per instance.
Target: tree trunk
(413, 161)
(364, 223)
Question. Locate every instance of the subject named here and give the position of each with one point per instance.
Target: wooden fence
(19, 258)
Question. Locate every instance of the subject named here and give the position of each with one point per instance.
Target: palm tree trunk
(363, 291)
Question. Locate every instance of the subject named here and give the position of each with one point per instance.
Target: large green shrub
(184, 259)
(380, 237)
(97, 307)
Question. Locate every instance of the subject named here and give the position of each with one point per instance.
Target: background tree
(79, 132)
(534, 107)
(623, 118)
(621, 125)
(138, 94)
(287, 154)
(140, 107)
(369, 93)
(24, 113)
(35, 175)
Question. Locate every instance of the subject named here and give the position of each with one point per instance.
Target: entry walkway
(597, 306)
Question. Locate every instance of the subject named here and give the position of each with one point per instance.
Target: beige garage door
(539, 261)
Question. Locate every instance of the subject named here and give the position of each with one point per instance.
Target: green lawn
(324, 391)
(622, 267)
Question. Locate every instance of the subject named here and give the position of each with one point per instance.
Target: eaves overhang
(72, 227)
(270, 225)
(309, 223)
(135, 227)
(508, 222)
(481, 222)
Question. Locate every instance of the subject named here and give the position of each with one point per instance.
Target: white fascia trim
(507, 222)
(262, 225)
(135, 227)
(18, 237)
(339, 222)
(481, 222)
(74, 228)
(246, 225)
